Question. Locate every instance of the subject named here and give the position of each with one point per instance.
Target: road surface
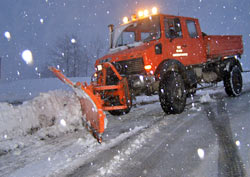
(211, 139)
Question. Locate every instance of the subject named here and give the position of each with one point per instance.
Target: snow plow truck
(154, 53)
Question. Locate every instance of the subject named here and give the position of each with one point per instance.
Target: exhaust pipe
(111, 30)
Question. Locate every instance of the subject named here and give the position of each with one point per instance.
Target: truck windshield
(139, 31)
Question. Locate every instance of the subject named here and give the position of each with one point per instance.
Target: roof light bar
(145, 13)
(154, 10)
(141, 14)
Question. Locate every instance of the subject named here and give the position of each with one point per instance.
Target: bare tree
(73, 58)
(68, 55)
(96, 48)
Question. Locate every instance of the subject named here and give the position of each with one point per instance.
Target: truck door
(179, 45)
(194, 42)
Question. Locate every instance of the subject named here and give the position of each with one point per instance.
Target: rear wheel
(172, 93)
(233, 81)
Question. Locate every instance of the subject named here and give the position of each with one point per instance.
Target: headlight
(94, 77)
(99, 67)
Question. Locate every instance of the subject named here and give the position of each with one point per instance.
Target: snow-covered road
(208, 139)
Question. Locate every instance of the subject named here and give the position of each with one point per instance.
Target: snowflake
(63, 122)
(201, 153)
(7, 35)
(27, 57)
(237, 143)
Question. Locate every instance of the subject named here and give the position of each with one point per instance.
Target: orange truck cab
(155, 52)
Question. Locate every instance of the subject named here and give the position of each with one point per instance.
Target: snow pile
(206, 98)
(49, 114)
(195, 107)
(143, 99)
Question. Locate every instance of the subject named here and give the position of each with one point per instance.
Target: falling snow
(63, 122)
(237, 143)
(201, 153)
(72, 41)
(7, 35)
(36, 27)
(27, 57)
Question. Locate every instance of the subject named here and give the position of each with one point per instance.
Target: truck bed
(220, 46)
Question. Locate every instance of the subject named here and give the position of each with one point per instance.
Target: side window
(172, 28)
(192, 29)
(149, 36)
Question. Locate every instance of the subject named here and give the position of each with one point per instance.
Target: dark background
(88, 19)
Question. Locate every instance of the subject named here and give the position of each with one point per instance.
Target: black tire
(233, 81)
(172, 93)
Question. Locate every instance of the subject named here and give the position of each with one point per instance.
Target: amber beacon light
(141, 14)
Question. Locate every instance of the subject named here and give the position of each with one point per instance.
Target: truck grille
(133, 66)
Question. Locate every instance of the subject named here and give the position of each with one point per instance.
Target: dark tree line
(73, 57)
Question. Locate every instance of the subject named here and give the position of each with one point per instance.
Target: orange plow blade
(93, 115)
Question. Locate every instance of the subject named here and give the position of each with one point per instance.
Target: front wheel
(233, 81)
(172, 93)
(122, 111)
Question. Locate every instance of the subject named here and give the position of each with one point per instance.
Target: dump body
(221, 46)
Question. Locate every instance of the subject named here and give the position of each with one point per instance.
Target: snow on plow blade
(93, 115)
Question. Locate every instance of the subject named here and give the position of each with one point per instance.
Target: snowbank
(48, 115)
(206, 98)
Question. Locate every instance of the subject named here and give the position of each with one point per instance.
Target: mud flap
(93, 115)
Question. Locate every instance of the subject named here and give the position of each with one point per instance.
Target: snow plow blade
(92, 112)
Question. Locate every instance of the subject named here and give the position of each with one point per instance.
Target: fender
(175, 65)
(232, 62)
